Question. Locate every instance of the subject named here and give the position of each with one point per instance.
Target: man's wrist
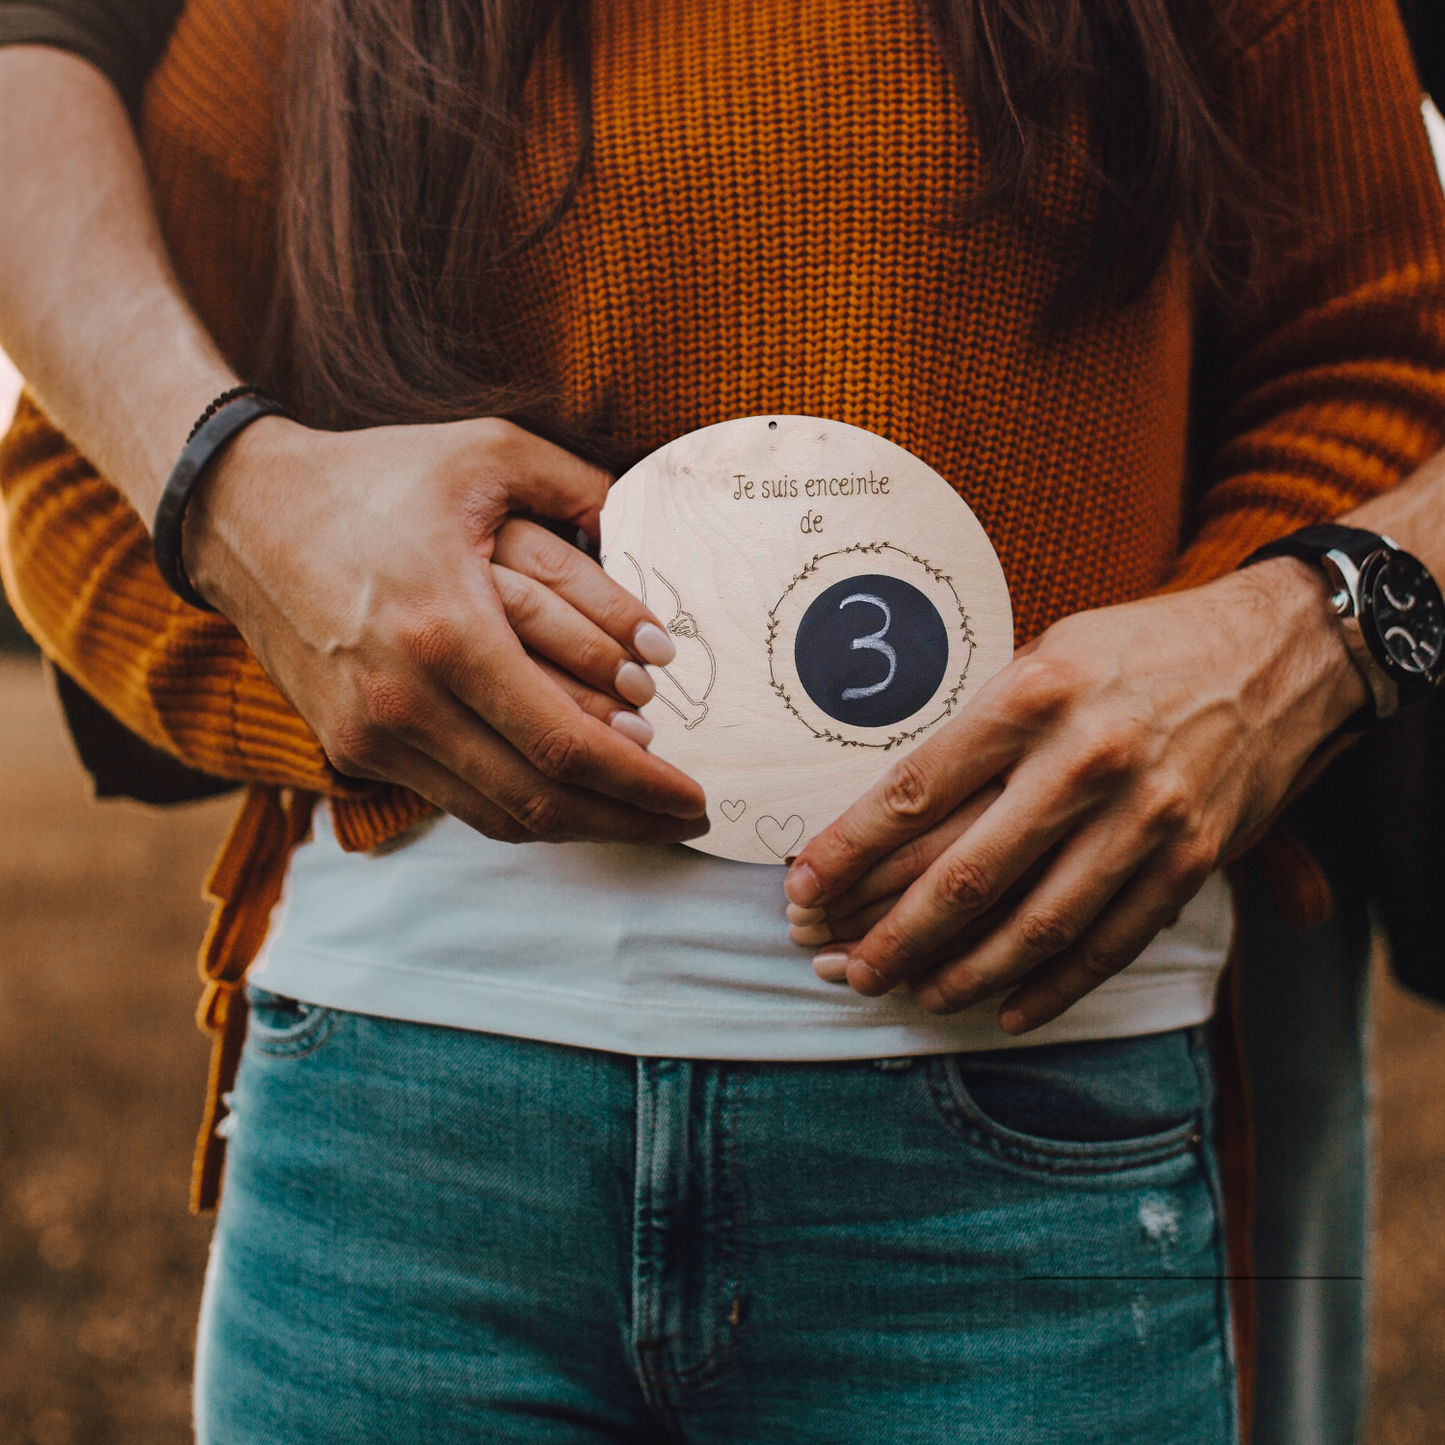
(216, 520)
(1293, 598)
(1388, 605)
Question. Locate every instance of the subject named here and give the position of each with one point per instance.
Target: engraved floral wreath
(895, 739)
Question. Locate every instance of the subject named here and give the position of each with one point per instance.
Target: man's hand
(425, 637)
(432, 638)
(1049, 832)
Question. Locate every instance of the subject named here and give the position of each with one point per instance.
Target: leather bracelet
(231, 413)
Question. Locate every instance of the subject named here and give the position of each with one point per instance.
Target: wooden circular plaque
(833, 601)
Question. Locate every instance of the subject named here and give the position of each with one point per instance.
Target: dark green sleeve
(122, 38)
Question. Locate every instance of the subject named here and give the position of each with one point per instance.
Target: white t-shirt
(654, 951)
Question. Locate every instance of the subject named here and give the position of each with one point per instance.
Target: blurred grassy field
(101, 1068)
(101, 1073)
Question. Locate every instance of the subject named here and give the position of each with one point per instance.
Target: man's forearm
(1412, 515)
(90, 309)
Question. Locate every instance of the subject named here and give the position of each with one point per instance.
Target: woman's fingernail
(630, 725)
(653, 645)
(810, 935)
(1011, 1021)
(805, 916)
(634, 684)
(801, 886)
(831, 967)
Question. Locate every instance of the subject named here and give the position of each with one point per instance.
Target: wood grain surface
(833, 600)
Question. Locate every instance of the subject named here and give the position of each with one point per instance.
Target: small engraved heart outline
(779, 838)
(733, 808)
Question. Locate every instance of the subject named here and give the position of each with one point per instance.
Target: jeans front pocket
(1089, 1108)
(286, 1028)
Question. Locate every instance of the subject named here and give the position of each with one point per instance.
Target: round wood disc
(833, 600)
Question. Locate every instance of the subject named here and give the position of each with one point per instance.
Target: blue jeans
(433, 1236)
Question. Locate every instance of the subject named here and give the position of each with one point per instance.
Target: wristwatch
(1389, 606)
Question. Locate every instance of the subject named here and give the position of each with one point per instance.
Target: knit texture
(768, 225)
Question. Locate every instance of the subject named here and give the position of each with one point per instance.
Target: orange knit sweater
(765, 227)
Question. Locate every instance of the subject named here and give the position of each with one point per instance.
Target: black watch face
(1408, 616)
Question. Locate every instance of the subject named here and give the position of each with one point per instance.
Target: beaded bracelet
(229, 414)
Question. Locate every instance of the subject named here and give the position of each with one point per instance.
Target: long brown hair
(399, 118)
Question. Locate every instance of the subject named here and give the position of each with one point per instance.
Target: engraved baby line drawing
(692, 710)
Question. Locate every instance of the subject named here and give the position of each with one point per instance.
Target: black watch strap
(1388, 604)
(1311, 543)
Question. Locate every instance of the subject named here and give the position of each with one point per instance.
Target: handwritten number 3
(874, 643)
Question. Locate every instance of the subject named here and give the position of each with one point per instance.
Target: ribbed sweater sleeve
(1330, 386)
(79, 569)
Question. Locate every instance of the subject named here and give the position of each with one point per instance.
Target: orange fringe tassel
(245, 885)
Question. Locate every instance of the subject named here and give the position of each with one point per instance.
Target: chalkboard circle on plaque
(834, 602)
(871, 650)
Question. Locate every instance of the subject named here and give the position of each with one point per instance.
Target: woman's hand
(431, 637)
(1049, 832)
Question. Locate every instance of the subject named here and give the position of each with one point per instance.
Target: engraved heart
(733, 808)
(780, 838)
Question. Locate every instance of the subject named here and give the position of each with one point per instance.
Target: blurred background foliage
(13, 637)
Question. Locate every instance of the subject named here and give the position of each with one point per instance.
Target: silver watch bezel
(1345, 577)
